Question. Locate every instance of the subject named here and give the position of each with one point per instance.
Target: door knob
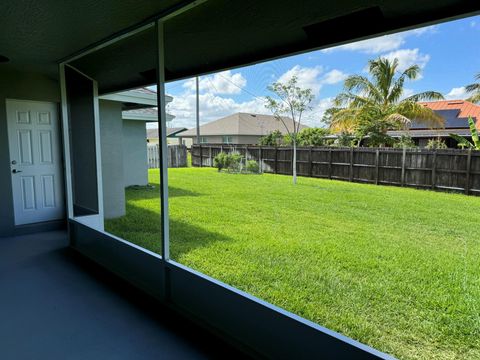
(15, 171)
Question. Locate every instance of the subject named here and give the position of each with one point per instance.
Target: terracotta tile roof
(466, 108)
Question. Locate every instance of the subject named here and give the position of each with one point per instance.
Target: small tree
(289, 105)
(274, 138)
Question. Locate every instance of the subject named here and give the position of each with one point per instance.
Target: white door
(35, 161)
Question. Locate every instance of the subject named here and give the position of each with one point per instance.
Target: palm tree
(374, 104)
(475, 89)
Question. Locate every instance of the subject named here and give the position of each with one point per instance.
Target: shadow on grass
(153, 191)
(141, 226)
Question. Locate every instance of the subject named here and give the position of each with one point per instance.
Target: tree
(370, 106)
(313, 137)
(475, 89)
(289, 104)
(274, 138)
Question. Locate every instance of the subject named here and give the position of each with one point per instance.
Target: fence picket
(448, 172)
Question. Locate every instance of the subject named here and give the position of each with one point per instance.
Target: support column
(162, 130)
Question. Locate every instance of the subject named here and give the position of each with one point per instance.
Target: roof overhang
(128, 115)
(211, 36)
(135, 97)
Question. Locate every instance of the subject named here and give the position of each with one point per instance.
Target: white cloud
(407, 92)
(373, 46)
(473, 24)
(408, 57)
(333, 77)
(308, 77)
(383, 43)
(432, 29)
(224, 82)
(457, 93)
(212, 107)
(314, 117)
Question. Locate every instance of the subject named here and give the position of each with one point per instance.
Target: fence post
(201, 156)
(210, 155)
(260, 160)
(377, 164)
(276, 160)
(469, 167)
(434, 169)
(310, 157)
(329, 163)
(351, 164)
(404, 155)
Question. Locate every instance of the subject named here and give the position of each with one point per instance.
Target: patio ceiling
(214, 35)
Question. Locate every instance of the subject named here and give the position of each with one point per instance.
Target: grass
(395, 268)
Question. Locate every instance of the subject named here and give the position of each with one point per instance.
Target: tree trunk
(294, 162)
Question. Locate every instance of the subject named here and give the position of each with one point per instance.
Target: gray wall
(237, 139)
(24, 86)
(246, 139)
(111, 138)
(135, 153)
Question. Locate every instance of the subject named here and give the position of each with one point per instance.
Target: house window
(203, 140)
(227, 139)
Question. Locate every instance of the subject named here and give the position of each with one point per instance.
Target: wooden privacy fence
(177, 156)
(444, 170)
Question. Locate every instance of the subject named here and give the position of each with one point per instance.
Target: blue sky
(448, 53)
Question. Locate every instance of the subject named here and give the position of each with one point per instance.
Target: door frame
(41, 224)
(95, 221)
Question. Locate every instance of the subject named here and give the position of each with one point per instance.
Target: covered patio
(70, 288)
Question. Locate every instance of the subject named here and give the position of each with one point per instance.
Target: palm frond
(426, 96)
(344, 120)
(360, 84)
(472, 87)
(401, 120)
(474, 98)
(415, 111)
(474, 132)
(461, 141)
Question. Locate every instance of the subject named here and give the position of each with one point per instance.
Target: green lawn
(395, 268)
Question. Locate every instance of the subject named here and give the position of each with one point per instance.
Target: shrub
(273, 139)
(221, 161)
(436, 144)
(313, 137)
(234, 163)
(345, 139)
(252, 166)
(405, 141)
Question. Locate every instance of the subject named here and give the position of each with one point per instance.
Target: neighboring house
(239, 128)
(455, 113)
(172, 139)
(123, 118)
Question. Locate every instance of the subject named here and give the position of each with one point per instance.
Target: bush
(313, 137)
(405, 141)
(220, 161)
(231, 162)
(436, 144)
(275, 138)
(252, 166)
(234, 162)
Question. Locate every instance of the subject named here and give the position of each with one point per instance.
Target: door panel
(35, 161)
